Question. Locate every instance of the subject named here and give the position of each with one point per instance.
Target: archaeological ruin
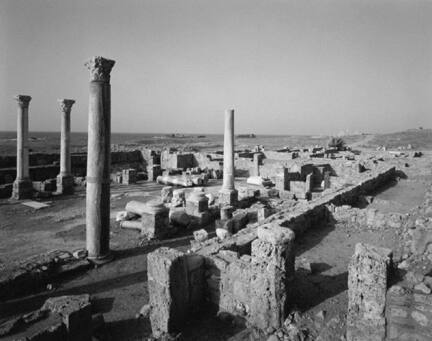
(292, 243)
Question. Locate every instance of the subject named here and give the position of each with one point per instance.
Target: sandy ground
(119, 288)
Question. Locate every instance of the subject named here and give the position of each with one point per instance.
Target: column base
(22, 189)
(100, 260)
(228, 197)
(65, 184)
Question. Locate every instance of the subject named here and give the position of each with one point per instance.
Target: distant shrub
(337, 142)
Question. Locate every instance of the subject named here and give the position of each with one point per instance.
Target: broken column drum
(22, 186)
(65, 179)
(228, 194)
(98, 160)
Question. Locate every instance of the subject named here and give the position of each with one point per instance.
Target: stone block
(76, 314)
(240, 220)
(228, 197)
(154, 225)
(367, 286)
(275, 246)
(65, 184)
(129, 176)
(282, 180)
(168, 290)
(263, 213)
(268, 297)
(167, 194)
(178, 198)
(326, 180)
(196, 203)
(176, 288)
(226, 212)
(275, 234)
(200, 235)
(22, 189)
(153, 171)
(179, 217)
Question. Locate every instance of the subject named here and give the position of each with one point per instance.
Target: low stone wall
(408, 314)
(46, 166)
(60, 318)
(37, 173)
(33, 274)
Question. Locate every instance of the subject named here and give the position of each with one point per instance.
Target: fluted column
(228, 194)
(22, 186)
(98, 160)
(65, 179)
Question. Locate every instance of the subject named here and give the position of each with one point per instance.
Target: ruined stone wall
(176, 288)
(177, 160)
(46, 166)
(377, 312)
(368, 275)
(251, 286)
(408, 314)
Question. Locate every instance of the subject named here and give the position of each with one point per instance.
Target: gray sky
(287, 67)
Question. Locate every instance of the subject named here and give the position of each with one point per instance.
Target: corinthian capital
(100, 68)
(23, 100)
(66, 104)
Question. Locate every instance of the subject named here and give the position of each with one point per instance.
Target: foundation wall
(47, 166)
(408, 315)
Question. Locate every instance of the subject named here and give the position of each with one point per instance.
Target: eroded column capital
(66, 104)
(100, 68)
(23, 100)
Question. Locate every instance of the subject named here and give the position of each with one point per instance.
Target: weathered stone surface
(175, 284)
(167, 194)
(367, 287)
(179, 217)
(196, 203)
(178, 198)
(228, 197)
(200, 235)
(222, 233)
(226, 212)
(168, 292)
(129, 176)
(75, 312)
(275, 234)
(98, 160)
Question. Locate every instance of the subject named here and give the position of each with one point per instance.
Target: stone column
(256, 164)
(98, 160)
(228, 195)
(65, 180)
(22, 186)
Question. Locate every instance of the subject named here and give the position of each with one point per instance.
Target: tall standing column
(65, 180)
(22, 186)
(99, 160)
(228, 195)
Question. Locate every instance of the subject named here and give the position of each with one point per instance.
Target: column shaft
(22, 144)
(228, 194)
(65, 180)
(228, 176)
(98, 161)
(22, 186)
(65, 161)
